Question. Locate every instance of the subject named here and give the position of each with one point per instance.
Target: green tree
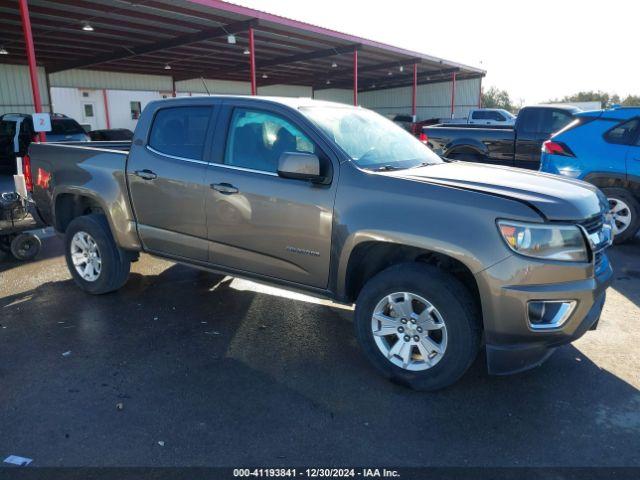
(631, 101)
(605, 99)
(496, 98)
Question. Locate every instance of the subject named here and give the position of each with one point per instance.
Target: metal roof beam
(181, 40)
(283, 60)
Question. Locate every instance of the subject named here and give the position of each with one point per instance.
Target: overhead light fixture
(389, 74)
(328, 82)
(167, 66)
(86, 26)
(264, 75)
(373, 85)
(3, 51)
(231, 39)
(334, 65)
(401, 68)
(246, 51)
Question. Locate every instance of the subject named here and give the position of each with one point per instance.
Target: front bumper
(507, 287)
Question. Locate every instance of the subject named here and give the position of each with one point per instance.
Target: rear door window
(479, 115)
(624, 133)
(180, 131)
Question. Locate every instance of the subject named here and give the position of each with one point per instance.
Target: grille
(593, 224)
(598, 261)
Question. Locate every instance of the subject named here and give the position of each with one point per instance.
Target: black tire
(115, 262)
(449, 297)
(25, 246)
(621, 194)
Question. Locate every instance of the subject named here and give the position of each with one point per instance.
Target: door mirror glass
(301, 166)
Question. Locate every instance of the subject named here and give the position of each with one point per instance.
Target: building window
(88, 110)
(136, 108)
(85, 94)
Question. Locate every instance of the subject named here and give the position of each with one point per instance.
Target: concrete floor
(229, 373)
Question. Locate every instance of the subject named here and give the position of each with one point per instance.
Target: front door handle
(146, 174)
(225, 188)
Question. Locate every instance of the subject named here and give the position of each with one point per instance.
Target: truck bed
(77, 167)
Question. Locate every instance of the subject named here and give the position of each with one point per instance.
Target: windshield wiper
(386, 168)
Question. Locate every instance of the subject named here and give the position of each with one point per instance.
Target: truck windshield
(372, 141)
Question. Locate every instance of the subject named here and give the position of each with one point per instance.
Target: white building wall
(120, 106)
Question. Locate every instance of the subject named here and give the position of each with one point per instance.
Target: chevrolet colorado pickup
(440, 257)
(518, 146)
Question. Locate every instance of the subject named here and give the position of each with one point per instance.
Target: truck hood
(555, 198)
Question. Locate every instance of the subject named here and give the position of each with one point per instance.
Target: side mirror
(300, 166)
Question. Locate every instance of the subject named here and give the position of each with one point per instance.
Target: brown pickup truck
(440, 258)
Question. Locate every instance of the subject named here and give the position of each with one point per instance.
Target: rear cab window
(180, 131)
(65, 126)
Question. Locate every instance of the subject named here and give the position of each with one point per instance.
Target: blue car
(603, 148)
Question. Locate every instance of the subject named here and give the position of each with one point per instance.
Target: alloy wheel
(409, 331)
(85, 255)
(621, 215)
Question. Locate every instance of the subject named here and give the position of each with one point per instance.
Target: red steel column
(355, 77)
(31, 58)
(453, 93)
(252, 59)
(414, 93)
(106, 107)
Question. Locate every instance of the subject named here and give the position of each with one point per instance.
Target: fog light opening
(549, 314)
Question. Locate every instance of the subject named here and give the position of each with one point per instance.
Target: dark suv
(16, 134)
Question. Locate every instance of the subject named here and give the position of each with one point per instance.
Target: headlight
(551, 242)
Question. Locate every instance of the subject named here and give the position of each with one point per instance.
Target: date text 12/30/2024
(316, 473)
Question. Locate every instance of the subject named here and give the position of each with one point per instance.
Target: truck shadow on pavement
(224, 375)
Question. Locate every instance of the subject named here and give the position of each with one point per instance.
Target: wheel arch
(372, 254)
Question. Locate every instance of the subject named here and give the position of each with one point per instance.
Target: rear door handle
(225, 188)
(146, 174)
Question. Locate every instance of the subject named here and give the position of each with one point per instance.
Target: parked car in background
(519, 146)
(16, 134)
(491, 116)
(111, 135)
(440, 258)
(603, 148)
(404, 121)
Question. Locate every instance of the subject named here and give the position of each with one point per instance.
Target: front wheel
(625, 211)
(96, 263)
(417, 325)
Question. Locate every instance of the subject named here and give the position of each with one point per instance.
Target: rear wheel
(625, 211)
(417, 325)
(96, 263)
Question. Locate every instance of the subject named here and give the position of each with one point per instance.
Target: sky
(537, 50)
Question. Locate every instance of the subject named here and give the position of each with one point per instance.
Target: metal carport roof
(190, 36)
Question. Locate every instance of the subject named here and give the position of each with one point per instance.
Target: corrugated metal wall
(433, 100)
(334, 95)
(15, 89)
(110, 80)
(230, 87)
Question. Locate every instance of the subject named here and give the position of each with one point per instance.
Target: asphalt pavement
(187, 368)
